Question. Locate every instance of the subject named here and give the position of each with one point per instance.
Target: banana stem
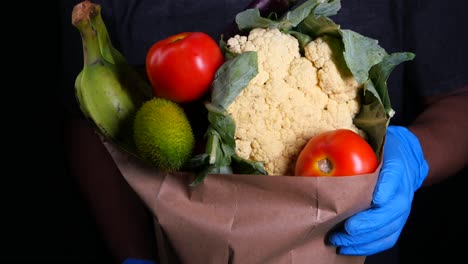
(111, 54)
(81, 20)
(98, 23)
(107, 49)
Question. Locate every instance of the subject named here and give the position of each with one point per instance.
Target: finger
(343, 239)
(370, 248)
(375, 218)
(393, 169)
(394, 212)
(388, 182)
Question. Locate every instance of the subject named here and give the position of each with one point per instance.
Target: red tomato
(181, 67)
(340, 152)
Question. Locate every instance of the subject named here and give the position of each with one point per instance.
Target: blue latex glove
(138, 261)
(378, 228)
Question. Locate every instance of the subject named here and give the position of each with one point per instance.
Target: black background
(43, 215)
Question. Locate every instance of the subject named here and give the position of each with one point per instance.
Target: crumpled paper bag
(243, 219)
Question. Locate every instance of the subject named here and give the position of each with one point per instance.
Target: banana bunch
(108, 89)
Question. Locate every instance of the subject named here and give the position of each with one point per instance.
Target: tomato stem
(325, 166)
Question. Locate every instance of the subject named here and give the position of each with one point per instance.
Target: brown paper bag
(246, 218)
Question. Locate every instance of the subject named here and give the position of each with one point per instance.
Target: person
(426, 144)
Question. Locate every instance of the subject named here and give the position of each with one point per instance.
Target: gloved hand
(138, 261)
(378, 228)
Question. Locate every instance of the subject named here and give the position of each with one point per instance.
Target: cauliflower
(292, 98)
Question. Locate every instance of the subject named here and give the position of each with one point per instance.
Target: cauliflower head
(292, 98)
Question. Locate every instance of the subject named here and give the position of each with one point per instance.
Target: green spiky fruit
(162, 134)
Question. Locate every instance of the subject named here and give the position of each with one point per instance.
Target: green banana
(106, 93)
(111, 54)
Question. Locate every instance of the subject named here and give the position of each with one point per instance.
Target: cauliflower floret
(282, 49)
(334, 76)
(292, 98)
